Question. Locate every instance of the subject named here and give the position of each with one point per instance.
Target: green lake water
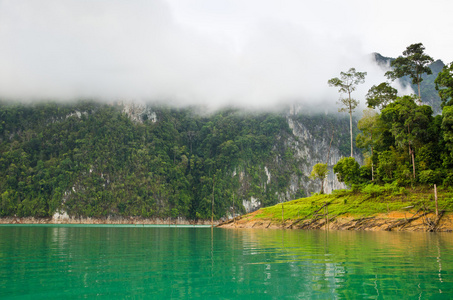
(152, 262)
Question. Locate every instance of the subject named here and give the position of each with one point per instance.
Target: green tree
(379, 96)
(409, 124)
(387, 163)
(447, 126)
(414, 63)
(371, 126)
(346, 84)
(444, 85)
(347, 170)
(320, 172)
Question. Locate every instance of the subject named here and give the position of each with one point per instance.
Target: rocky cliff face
(316, 138)
(315, 147)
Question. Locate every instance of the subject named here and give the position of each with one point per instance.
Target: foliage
(320, 172)
(409, 124)
(92, 160)
(347, 170)
(371, 126)
(381, 95)
(331, 125)
(413, 63)
(428, 91)
(409, 146)
(447, 126)
(346, 84)
(444, 85)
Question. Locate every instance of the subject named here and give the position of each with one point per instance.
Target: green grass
(369, 201)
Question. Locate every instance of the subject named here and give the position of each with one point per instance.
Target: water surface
(153, 262)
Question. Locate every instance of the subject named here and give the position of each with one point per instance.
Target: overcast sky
(255, 53)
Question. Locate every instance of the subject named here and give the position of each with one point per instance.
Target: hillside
(89, 159)
(372, 208)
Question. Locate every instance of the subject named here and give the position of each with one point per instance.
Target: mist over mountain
(212, 55)
(152, 108)
(163, 160)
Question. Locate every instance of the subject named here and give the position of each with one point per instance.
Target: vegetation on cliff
(90, 159)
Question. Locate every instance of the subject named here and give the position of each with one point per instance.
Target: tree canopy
(346, 84)
(413, 63)
(444, 85)
(380, 95)
(320, 172)
(91, 160)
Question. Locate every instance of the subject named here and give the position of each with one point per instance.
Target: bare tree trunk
(350, 129)
(411, 153)
(435, 199)
(372, 165)
(419, 94)
(322, 186)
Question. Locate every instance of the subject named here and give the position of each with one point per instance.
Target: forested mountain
(97, 160)
(93, 159)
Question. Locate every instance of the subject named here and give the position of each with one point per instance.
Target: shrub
(347, 170)
(374, 190)
(448, 181)
(430, 176)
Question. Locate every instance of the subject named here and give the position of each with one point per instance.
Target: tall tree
(379, 96)
(444, 85)
(346, 84)
(414, 63)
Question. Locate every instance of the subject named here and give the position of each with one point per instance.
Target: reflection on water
(152, 262)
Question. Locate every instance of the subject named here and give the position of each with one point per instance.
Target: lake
(161, 262)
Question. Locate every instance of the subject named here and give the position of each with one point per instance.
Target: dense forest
(405, 142)
(91, 159)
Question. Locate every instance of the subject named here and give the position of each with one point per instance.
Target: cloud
(216, 54)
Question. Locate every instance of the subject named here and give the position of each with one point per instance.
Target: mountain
(90, 159)
(93, 159)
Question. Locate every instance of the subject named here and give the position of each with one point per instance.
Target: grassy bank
(388, 203)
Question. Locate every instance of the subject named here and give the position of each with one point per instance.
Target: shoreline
(392, 221)
(107, 221)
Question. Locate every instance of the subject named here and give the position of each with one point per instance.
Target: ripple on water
(161, 263)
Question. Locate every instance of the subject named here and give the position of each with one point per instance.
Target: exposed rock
(60, 217)
(138, 111)
(392, 221)
(251, 205)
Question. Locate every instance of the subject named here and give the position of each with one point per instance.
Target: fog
(257, 54)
